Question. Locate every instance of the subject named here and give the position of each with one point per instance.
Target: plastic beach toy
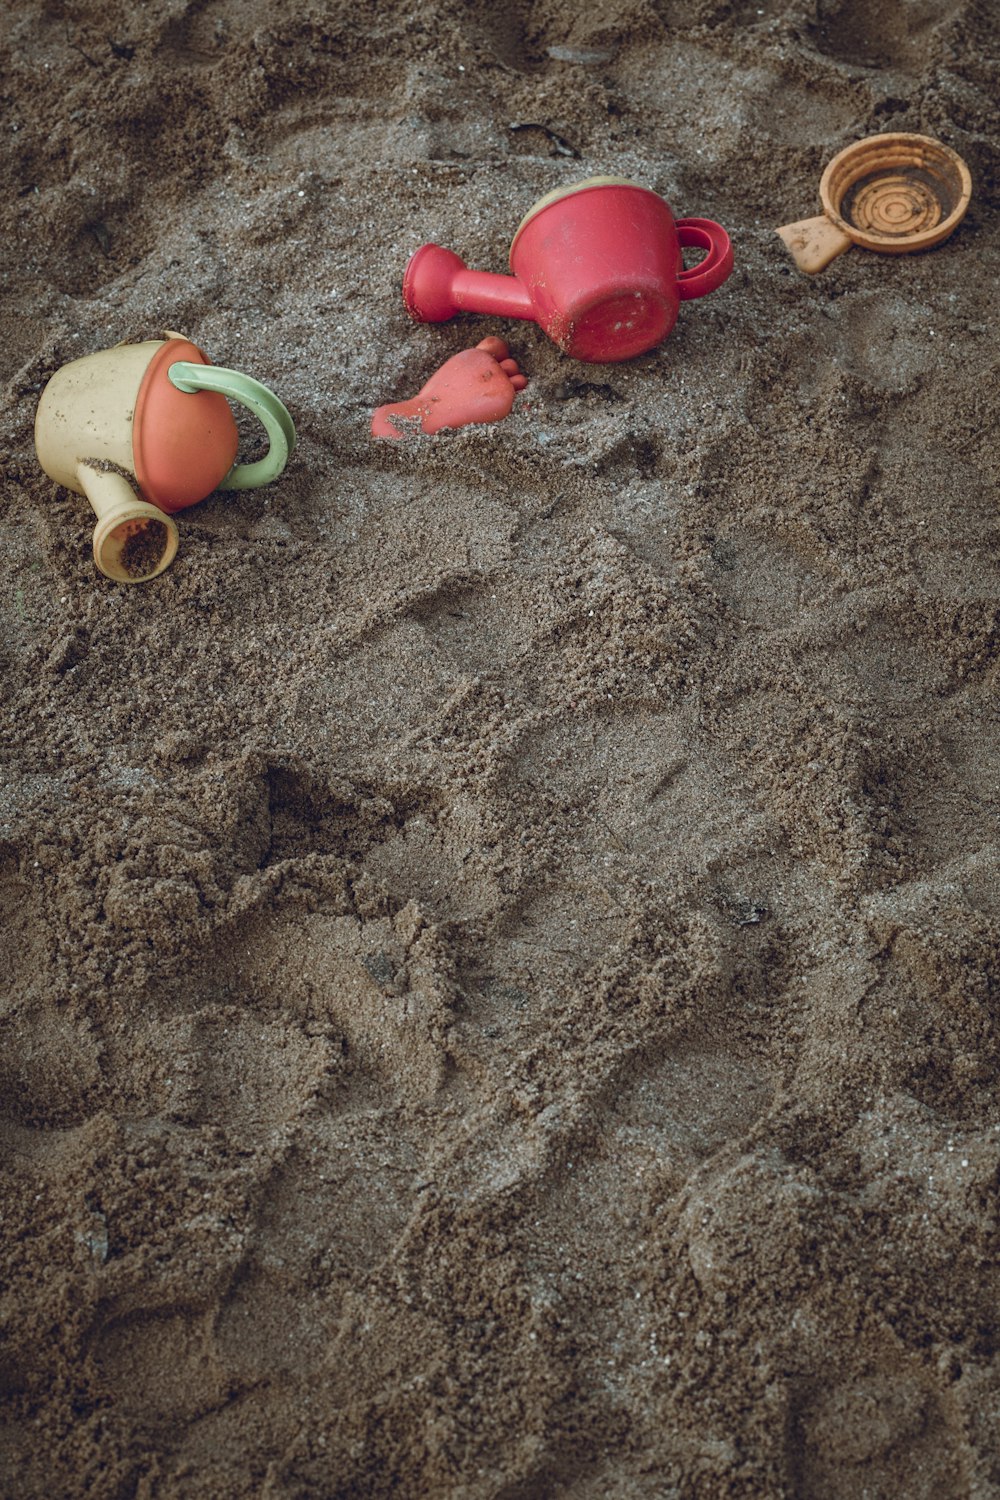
(894, 193)
(152, 416)
(597, 265)
(477, 385)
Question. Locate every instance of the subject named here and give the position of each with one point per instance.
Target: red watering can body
(598, 266)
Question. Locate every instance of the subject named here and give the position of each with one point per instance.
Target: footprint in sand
(881, 1430)
(478, 385)
(869, 36)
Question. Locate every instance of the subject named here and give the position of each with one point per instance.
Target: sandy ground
(500, 941)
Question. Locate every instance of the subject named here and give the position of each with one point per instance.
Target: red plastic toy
(477, 385)
(597, 265)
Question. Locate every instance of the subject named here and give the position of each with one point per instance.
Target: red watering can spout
(597, 265)
(438, 284)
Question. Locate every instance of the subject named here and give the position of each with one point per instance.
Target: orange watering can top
(183, 443)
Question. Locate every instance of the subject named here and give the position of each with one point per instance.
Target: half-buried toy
(476, 385)
(151, 417)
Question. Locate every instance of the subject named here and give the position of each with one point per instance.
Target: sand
(500, 941)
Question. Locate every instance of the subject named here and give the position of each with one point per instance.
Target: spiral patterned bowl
(896, 193)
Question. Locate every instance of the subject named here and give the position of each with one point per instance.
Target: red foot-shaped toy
(478, 385)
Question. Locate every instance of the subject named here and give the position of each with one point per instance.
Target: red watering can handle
(704, 234)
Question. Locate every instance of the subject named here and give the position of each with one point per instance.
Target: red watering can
(597, 265)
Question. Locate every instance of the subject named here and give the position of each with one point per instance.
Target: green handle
(256, 398)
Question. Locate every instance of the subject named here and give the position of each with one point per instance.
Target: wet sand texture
(500, 941)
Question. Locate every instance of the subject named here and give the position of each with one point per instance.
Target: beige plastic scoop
(893, 193)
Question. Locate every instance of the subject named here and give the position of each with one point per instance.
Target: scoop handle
(265, 405)
(814, 243)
